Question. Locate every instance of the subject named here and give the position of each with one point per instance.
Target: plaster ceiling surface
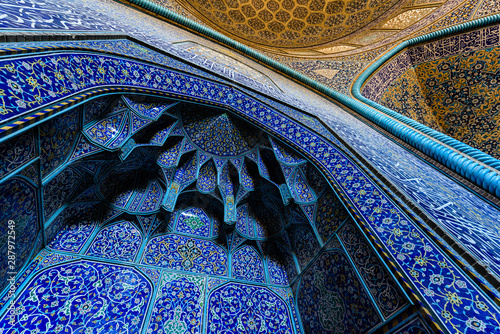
(289, 23)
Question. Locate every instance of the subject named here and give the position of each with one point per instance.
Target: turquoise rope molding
(463, 162)
(466, 167)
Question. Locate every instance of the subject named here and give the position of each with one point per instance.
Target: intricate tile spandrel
(57, 137)
(16, 152)
(178, 307)
(18, 225)
(240, 308)
(306, 245)
(73, 237)
(186, 254)
(118, 242)
(332, 300)
(329, 215)
(379, 282)
(82, 296)
(247, 265)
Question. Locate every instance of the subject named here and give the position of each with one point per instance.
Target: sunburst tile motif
(332, 299)
(218, 133)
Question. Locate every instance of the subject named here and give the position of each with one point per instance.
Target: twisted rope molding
(472, 164)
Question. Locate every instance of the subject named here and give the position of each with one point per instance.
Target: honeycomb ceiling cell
(288, 23)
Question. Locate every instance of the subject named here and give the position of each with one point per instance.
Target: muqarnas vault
(182, 217)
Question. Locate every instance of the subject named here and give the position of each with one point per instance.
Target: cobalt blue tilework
(81, 296)
(16, 152)
(329, 215)
(179, 305)
(194, 221)
(57, 137)
(246, 308)
(73, 237)
(331, 299)
(186, 254)
(120, 241)
(247, 265)
(384, 219)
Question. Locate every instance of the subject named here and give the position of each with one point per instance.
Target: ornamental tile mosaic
(118, 242)
(281, 265)
(73, 237)
(366, 144)
(447, 88)
(57, 137)
(82, 296)
(193, 221)
(381, 285)
(246, 308)
(179, 305)
(218, 133)
(330, 214)
(331, 299)
(16, 152)
(186, 254)
(59, 189)
(306, 246)
(247, 265)
(18, 225)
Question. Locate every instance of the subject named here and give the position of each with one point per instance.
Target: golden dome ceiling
(288, 23)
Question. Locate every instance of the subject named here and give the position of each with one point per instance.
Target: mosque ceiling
(291, 31)
(289, 24)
